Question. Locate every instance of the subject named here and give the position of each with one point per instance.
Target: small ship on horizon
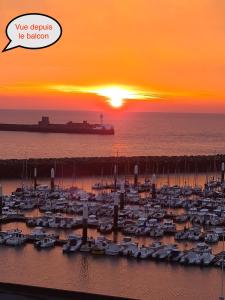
(70, 127)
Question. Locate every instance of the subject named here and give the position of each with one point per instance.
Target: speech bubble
(32, 31)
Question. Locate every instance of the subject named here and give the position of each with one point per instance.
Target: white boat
(169, 227)
(202, 254)
(3, 237)
(166, 251)
(181, 235)
(128, 247)
(9, 212)
(15, 238)
(220, 231)
(190, 257)
(27, 204)
(205, 253)
(154, 247)
(105, 227)
(112, 249)
(211, 238)
(38, 233)
(156, 232)
(176, 255)
(98, 249)
(194, 234)
(131, 250)
(86, 247)
(74, 243)
(98, 186)
(143, 253)
(93, 221)
(42, 188)
(45, 243)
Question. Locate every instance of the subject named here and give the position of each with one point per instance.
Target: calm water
(114, 276)
(135, 134)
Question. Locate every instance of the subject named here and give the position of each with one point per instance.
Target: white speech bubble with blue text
(32, 31)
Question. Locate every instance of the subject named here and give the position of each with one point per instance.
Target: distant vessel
(45, 126)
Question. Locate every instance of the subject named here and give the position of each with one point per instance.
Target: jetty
(44, 126)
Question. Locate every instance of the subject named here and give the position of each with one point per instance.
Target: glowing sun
(116, 102)
(115, 95)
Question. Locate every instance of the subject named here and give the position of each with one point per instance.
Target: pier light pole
(52, 179)
(35, 178)
(115, 212)
(135, 176)
(85, 222)
(122, 196)
(222, 172)
(153, 186)
(1, 200)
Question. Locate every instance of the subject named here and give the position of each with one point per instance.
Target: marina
(139, 216)
(110, 251)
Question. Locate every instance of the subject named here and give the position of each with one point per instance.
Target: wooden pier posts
(153, 186)
(115, 212)
(135, 176)
(115, 177)
(52, 179)
(35, 178)
(122, 197)
(222, 172)
(85, 223)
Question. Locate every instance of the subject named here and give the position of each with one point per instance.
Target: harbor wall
(93, 166)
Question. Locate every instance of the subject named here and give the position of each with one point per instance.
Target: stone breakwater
(93, 166)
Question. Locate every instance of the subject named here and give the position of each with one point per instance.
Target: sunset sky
(170, 54)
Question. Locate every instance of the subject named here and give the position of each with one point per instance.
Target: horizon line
(107, 112)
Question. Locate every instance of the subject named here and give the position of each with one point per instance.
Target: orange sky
(174, 48)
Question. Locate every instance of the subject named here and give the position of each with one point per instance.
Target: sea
(135, 134)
